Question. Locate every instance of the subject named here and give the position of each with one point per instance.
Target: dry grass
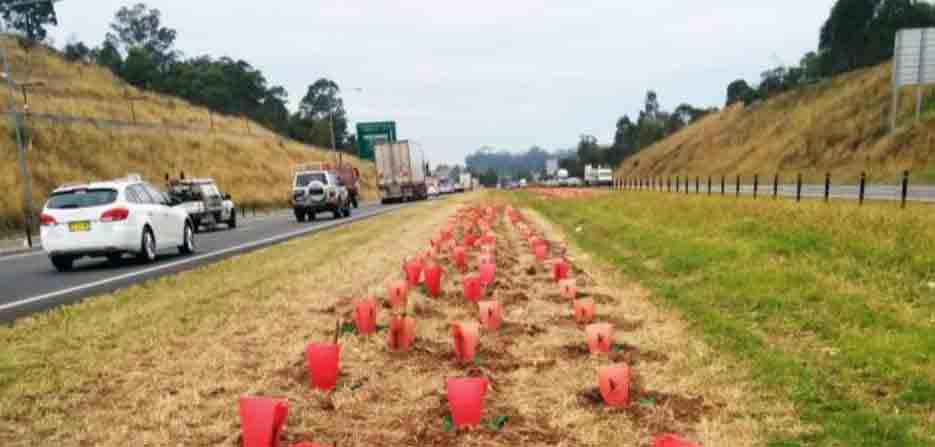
(255, 168)
(164, 363)
(839, 125)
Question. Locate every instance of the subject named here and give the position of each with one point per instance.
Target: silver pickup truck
(203, 201)
(316, 190)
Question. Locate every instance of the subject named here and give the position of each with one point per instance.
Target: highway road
(30, 284)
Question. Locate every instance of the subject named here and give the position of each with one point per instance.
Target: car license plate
(79, 226)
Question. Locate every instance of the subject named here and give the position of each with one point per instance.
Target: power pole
(20, 150)
(15, 118)
(334, 147)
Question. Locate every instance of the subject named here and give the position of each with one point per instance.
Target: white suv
(110, 219)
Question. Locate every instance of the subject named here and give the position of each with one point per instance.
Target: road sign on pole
(371, 134)
(913, 64)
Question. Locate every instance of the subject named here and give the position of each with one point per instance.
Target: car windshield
(303, 180)
(184, 192)
(210, 190)
(81, 198)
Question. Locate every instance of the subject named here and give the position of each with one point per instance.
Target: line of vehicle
(241, 247)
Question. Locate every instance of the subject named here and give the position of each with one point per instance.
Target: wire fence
(104, 123)
(775, 187)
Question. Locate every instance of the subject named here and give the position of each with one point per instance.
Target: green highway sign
(371, 134)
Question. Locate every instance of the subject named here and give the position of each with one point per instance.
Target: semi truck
(400, 172)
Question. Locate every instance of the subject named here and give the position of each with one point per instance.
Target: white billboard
(914, 57)
(913, 64)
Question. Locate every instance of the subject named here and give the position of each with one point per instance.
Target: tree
(860, 33)
(108, 56)
(651, 105)
(589, 152)
(31, 19)
(489, 178)
(141, 27)
(625, 138)
(842, 35)
(78, 52)
(571, 164)
(771, 82)
(272, 110)
(811, 67)
(740, 91)
(140, 69)
(322, 102)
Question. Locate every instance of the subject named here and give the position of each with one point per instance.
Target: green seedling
(448, 423)
(648, 401)
(382, 327)
(498, 422)
(348, 328)
(477, 359)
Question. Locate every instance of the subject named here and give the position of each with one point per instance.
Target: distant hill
(250, 162)
(839, 125)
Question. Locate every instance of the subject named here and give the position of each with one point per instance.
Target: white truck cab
(203, 201)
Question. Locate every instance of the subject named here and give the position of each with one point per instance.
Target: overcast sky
(458, 75)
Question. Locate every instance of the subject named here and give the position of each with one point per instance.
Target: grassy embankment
(255, 168)
(832, 305)
(840, 125)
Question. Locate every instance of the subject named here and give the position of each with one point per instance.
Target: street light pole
(334, 147)
(15, 117)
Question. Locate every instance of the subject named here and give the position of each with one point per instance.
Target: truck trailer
(400, 172)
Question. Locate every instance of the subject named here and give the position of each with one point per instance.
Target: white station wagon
(110, 219)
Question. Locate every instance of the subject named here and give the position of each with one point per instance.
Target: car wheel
(196, 224)
(147, 246)
(188, 240)
(232, 222)
(347, 211)
(312, 215)
(63, 263)
(300, 215)
(337, 212)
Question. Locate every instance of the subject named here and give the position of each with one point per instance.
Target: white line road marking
(244, 246)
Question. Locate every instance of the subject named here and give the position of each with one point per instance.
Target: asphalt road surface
(30, 284)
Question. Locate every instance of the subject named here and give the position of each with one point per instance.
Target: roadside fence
(775, 187)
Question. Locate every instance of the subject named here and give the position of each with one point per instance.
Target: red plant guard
(261, 420)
